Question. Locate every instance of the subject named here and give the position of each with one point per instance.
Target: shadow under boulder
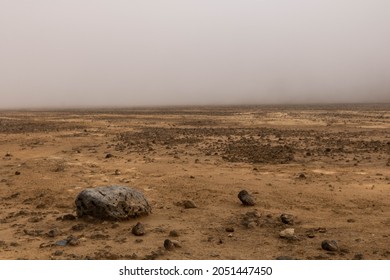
(112, 203)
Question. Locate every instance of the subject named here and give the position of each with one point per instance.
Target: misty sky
(175, 52)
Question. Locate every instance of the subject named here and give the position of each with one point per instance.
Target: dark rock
(229, 229)
(287, 219)
(168, 244)
(112, 203)
(246, 198)
(138, 229)
(302, 176)
(17, 173)
(173, 233)
(53, 232)
(67, 217)
(58, 253)
(330, 245)
(79, 227)
(189, 204)
(351, 220)
(108, 155)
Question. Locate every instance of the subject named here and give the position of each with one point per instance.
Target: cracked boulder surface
(112, 203)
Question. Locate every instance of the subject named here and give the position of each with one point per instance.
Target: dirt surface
(326, 167)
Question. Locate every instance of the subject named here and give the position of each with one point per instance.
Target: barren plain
(328, 166)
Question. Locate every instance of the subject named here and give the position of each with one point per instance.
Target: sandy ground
(328, 166)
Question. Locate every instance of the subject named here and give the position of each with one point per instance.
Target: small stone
(173, 233)
(302, 176)
(229, 229)
(287, 219)
(230, 235)
(67, 217)
(287, 233)
(117, 172)
(246, 198)
(17, 173)
(53, 232)
(139, 240)
(329, 245)
(8, 154)
(351, 220)
(168, 245)
(73, 241)
(138, 229)
(108, 155)
(79, 227)
(188, 204)
(58, 253)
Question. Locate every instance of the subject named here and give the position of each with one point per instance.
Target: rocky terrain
(317, 182)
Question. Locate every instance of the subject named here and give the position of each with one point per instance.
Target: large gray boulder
(112, 203)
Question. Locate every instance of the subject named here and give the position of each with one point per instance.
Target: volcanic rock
(112, 203)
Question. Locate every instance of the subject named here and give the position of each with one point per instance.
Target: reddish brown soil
(328, 166)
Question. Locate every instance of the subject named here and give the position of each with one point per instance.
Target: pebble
(246, 198)
(189, 204)
(287, 219)
(229, 229)
(53, 232)
(329, 245)
(173, 233)
(138, 229)
(287, 233)
(168, 245)
(109, 155)
(17, 173)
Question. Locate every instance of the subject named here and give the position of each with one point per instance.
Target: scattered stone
(229, 229)
(8, 154)
(17, 173)
(99, 235)
(351, 220)
(329, 245)
(73, 241)
(112, 203)
(53, 232)
(138, 229)
(176, 243)
(302, 176)
(173, 233)
(58, 253)
(67, 217)
(288, 233)
(79, 227)
(109, 155)
(230, 235)
(188, 204)
(251, 219)
(168, 245)
(287, 219)
(246, 198)
(310, 234)
(117, 172)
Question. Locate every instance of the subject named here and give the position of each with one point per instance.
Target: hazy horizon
(85, 53)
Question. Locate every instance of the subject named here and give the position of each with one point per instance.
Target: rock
(188, 204)
(67, 217)
(173, 233)
(251, 219)
(329, 245)
(288, 233)
(229, 229)
(108, 155)
(302, 176)
(17, 173)
(117, 172)
(138, 229)
(287, 219)
(8, 154)
(246, 198)
(168, 245)
(112, 203)
(54, 232)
